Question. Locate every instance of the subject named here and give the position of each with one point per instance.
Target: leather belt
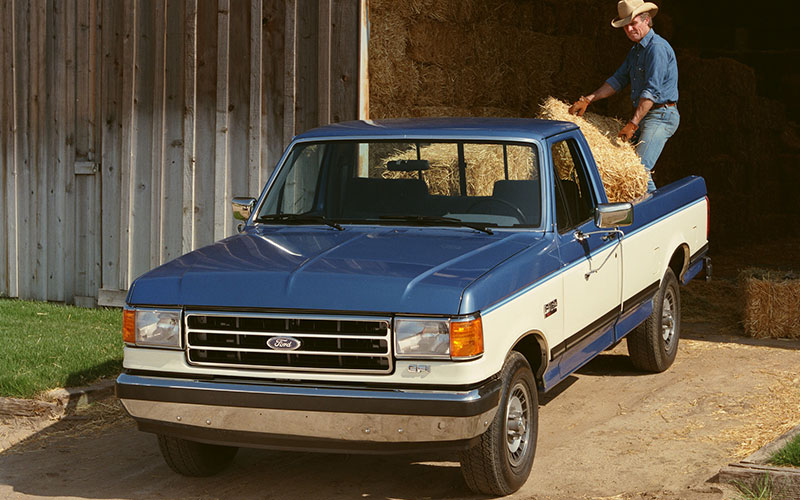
(664, 105)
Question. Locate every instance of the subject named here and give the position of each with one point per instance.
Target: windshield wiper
(300, 219)
(438, 220)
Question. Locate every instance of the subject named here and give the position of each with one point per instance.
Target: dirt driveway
(607, 432)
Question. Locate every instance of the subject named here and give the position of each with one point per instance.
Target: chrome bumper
(303, 417)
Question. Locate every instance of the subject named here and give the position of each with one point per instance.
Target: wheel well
(534, 348)
(679, 261)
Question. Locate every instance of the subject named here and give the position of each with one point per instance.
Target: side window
(574, 202)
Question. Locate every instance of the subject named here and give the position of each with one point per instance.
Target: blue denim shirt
(651, 70)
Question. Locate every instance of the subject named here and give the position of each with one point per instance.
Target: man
(652, 73)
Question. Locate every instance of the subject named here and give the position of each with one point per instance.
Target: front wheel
(653, 345)
(190, 458)
(501, 462)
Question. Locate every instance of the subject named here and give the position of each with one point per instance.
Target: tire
(653, 345)
(501, 462)
(190, 458)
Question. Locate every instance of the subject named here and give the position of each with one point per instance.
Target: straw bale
(485, 165)
(771, 301)
(622, 172)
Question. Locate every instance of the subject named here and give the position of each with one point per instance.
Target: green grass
(759, 489)
(789, 455)
(44, 346)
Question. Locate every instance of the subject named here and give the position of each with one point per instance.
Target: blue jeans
(655, 128)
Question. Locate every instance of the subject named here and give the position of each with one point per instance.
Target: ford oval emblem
(284, 343)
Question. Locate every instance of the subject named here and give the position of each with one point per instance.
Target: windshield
(419, 183)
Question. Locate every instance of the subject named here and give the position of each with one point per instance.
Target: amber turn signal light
(129, 326)
(466, 338)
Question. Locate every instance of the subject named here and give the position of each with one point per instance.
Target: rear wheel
(190, 458)
(501, 462)
(653, 345)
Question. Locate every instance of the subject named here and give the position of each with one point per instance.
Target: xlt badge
(550, 308)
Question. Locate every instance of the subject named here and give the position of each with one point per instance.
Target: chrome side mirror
(243, 207)
(611, 215)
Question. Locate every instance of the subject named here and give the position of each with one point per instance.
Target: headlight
(438, 338)
(152, 327)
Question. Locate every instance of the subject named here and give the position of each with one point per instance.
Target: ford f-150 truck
(408, 285)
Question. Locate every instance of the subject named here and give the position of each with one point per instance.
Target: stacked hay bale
(621, 170)
(770, 303)
(486, 165)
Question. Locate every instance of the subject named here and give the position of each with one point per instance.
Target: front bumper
(311, 418)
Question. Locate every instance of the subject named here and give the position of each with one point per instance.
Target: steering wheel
(500, 201)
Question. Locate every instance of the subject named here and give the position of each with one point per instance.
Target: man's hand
(627, 131)
(579, 107)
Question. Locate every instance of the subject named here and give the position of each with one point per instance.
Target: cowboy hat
(628, 9)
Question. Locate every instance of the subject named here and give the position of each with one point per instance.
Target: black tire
(501, 462)
(653, 345)
(190, 458)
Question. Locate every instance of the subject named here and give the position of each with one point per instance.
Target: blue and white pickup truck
(408, 285)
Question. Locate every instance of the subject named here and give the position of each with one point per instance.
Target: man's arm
(641, 109)
(579, 106)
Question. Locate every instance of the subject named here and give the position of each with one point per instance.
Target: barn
(128, 126)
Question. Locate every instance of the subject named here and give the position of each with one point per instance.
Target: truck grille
(282, 342)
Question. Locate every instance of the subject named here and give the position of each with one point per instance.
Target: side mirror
(243, 207)
(611, 215)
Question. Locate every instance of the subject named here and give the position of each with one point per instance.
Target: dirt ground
(608, 432)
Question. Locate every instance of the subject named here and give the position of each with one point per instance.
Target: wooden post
(38, 165)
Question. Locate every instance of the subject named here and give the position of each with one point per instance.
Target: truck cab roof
(506, 129)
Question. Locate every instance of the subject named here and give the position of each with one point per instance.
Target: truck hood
(361, 269)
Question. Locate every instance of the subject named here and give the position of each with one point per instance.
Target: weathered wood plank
(273, 82)
(221, 175)
(172, 194)
(307, 66)
(140, 256)
(111, 298)
(26, 189)
(8, 176)
(784, 480)
(54, 208)
(111, 142)
(205, 133)
(324, 62)
(190, 101)
(344, 68)
(156, 86)
(238, 104)
(40, 167)
(363, 62)
(67, 287)
(255, 180)
(128, 160)
(290, 72)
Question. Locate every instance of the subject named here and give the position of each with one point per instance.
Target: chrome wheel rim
(668, 319)
(518, 428)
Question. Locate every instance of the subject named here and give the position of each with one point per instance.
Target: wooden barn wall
(128, 126)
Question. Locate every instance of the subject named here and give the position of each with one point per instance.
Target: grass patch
(760, 489)
(44, 346)
(789, 455)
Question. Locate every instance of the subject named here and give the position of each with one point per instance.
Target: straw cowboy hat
(628, 9)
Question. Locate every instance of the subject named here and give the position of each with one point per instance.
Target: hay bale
(771, 301)
(485, 165)
(621, 170)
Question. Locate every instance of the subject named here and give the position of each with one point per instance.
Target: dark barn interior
(739, 95)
